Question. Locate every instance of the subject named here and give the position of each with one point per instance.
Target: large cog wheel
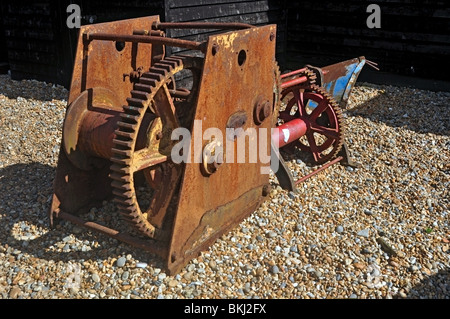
(143, 144)
(323, 117)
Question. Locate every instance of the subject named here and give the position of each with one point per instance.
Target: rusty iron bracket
(346, 157)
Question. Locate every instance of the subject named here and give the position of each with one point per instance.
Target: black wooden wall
(39, 44)
(3, 50)
(414, 38)
(246, 11)
(33, 40)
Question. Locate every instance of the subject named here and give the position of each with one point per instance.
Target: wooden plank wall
(252, 12)
(31, 40)
(96, 11)
(3, 48)
(414, 38)
(39, 44)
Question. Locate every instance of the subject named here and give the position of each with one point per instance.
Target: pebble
(398, 193)
(14, 293)
(213, 265)
(67, 239)
(359, 266)
(162, 276)
(364, 233)
(95, 277)
(368, 212)
(339, 229)
(121, 262)
(77, 230)
(274, 269)
(272, 234)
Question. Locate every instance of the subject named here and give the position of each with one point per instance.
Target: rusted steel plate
(103, 63)
(99, 67)
(238, 71)
(340, 78)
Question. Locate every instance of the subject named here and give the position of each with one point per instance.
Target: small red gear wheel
(323, 117)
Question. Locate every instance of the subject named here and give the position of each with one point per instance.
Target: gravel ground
(377, 231)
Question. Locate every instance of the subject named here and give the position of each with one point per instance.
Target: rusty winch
(129, 104)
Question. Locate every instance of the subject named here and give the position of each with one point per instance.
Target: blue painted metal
(343, 78)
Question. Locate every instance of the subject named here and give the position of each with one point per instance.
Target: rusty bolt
(212, 157)
(218, 160)
(262, 110)
(265, 112)
(215, 49)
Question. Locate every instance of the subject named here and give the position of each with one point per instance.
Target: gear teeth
(119, 177)
(127, 135)
(125, 203)
(121, 169)
(338, 143)
(128, 126)
(139, 95)
(126, 153)
(143, 87)
(148, 81)
(135, 102)
(129, 117)
(126, 216)
(151, 75)
(124, 143)
(177, 59)
(121, 160)
(119, 193)
(120, 186)
(277, 94)
(163, 72)
(132, 109)
(161, 66)
(170, 64)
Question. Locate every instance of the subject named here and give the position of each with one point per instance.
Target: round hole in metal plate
(242, 56)
(120, 46)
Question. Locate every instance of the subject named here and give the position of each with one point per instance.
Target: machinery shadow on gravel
(416, 112)
(434, 287)
(32, 89)
(25, 195)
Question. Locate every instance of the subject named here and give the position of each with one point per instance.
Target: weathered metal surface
(98, 91)
(89, 126)
(202, 25)
(144, 39)
(102, 63)
(321, 117)
(323, 167)
(289, 131)
(211, 205)
(124, 107)
(340, 78)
